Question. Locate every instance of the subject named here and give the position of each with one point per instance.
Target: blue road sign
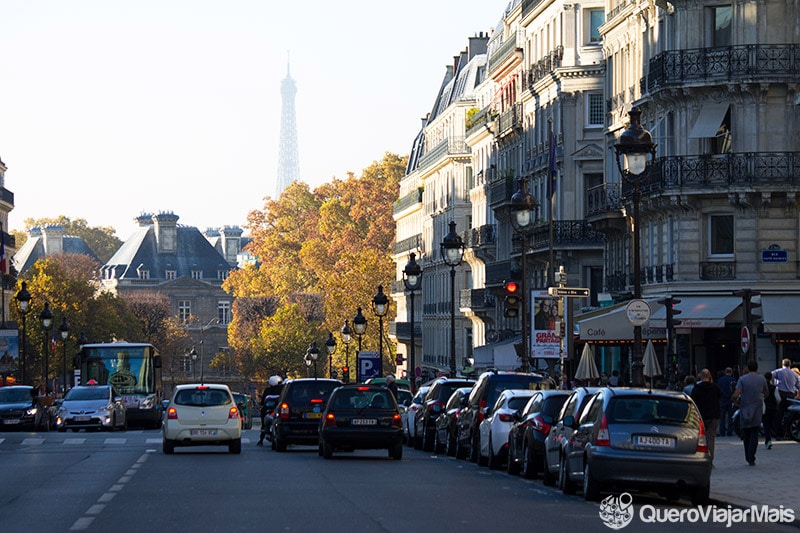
(369, 364)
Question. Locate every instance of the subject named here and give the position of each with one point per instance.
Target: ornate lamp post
(23, 298)
(524, 209)
(46, 316)
(346, 338)
(453, 252)
(634, 146)
(360, 326)
(380, 306)
(313, 352)
(412, 276)
(193, 356)
(63, 329)
(330, 345)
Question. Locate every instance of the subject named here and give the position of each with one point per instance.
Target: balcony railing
(498, 272)
(501, 188)
(478, 120)
(402, 330)
(543, 67)
(752, 62)
(565, 233)
(476, 299)
(717, 270)
(449, 146)
(603, 199)
(411, 243)
(412, 198)
(482, 236)
(502, 52)
(509, 120)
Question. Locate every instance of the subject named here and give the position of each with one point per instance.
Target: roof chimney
(166, 231)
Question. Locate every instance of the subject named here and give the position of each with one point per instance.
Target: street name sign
(568, 291)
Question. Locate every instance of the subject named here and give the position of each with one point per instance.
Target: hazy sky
(109, 109)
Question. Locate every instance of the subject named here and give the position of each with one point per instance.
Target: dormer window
(197, 274)
(143, 274)
(222, 274)
(170, 274)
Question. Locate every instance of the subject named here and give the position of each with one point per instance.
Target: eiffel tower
(288, 170)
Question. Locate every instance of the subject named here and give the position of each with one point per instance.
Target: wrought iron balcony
(402, 330)
(448, 147)
(509, 120)
(566, 233)
(6, 196)
(479, 120)
(411, 243)
(485, 235)
(759, 63)
(476, 299)
(502, 52)
(501, 188)
(603, 198)
(410, 199)
(717, 270)
(543, 67)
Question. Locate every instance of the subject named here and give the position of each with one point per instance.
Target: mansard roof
(34, 249)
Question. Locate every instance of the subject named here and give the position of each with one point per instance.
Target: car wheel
(591, 488)
(494, 461)
(474, 449)
(427, 440)
(417, 440)
(235, 446)
(280, 444)
(168, 447)
(452, 445)
(327, 450)
(548, 478)
(529, 466)
(700, 495)
(437, 444)
(396, 451)
(564, 483)
(512, 464)
(113, 426)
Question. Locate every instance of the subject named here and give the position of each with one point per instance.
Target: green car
(245, 413)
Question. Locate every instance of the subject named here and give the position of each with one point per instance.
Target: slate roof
(33, 250)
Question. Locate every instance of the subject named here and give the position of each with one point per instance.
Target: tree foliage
(322, 254)
(101, 240)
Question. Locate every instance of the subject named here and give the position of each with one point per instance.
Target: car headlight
(31, 411)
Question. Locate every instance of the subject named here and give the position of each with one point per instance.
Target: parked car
(16, 407)
(299, 411)
(639, 439)
(202, 415)
(432, 405)
(245, 412)
(494, 428)
(484, 394)
(558, 438)
(531, 426)
(445, 440)
(361, 417)
(92, 407)
(404, 397)
(409, 414)
(381, 382)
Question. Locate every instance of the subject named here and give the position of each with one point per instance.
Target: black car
(16, 407)
(432, 406)
(445, 439)
(484, 394)
(527, 434)
(299, 411)
(361, 417)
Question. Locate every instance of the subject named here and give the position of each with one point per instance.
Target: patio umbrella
(587, 368)
(650, 362)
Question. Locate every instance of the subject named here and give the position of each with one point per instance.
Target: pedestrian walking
(751, 389)
(391, 385)
(726, 384)
(770, 411)
(688, 384)
(706, 394)
(787, 383)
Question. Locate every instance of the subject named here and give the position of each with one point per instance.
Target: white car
(202, 415)
(494, 428)
(92, 407)
(409, 412)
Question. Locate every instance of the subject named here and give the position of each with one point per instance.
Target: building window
(222, 274)
(720, 30)
(721, 236)
(144, 274)
(184, 311)
(224, 312)
(594, 19)
(595, 115)
(170, 274)
(197, 274)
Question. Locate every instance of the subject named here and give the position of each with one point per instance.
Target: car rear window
(649, 410)
(501, 383)
(553, 404)
(518, 402)
(361, 398)
(202, 397)
(447, 389)
(306, 393)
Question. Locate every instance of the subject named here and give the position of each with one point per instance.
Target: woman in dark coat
(706, 395)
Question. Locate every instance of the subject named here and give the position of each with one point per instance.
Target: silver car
(638, 439)
(92, 407)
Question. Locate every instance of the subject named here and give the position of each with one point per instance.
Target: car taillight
(702, 443)
(330, 419)
(505, 417)
(479, 416)
(397, 421)
(284, 410)
(172, 413)
(541, 425)
(233, 413)
(602, 433)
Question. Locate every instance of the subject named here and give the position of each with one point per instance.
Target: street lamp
(23, 298)
(313, 353)
(380, 306)
(330, 345)
(46, 317)
(632, 150)
(193, 356)
(412, 277)
(346, 340)
(524, 209)
(63, 329)
(82, 341)
(452, 252)
(360, 326)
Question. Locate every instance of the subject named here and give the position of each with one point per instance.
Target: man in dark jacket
(726, 384)
(706, 395)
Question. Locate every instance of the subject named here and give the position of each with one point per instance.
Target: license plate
(312, 415)
(654, 442)
(203, 432)
(82, 419)
(364, 422)
(11, 421)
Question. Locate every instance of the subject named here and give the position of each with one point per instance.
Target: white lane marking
(74, 441)
(82, 523)
(96, 508)
(33, 441)
(107, 497)
(115, 441)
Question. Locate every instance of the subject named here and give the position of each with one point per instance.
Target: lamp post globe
(452, 247)
(23, 298)
(633, 149)
(346, 339)
(313, 352)
(330, 345)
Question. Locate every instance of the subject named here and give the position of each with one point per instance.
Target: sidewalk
(772, 481)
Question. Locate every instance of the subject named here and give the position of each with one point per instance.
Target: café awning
(709, 120)
(613, 326)
(701, 312)
(780, 313)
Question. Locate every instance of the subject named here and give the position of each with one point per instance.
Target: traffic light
(512, 299)
(346, 374)
(750, 308)
(398, 360)
(669, 304)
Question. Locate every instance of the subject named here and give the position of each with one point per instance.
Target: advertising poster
(544, 341)
(9, 351)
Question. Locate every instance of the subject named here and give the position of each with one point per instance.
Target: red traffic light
(512, 287)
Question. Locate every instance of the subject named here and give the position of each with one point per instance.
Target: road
(122, 482)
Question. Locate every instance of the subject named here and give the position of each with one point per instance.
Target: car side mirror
(548, 419)
(569, 421)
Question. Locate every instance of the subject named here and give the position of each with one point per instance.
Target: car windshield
(649, 410)
(81, 394)
(202, 397)
(501, 383)
(518, 402)
(15, 395)
(311, 392)
(362, 398)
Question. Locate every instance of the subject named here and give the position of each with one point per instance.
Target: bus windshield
(130, 368)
